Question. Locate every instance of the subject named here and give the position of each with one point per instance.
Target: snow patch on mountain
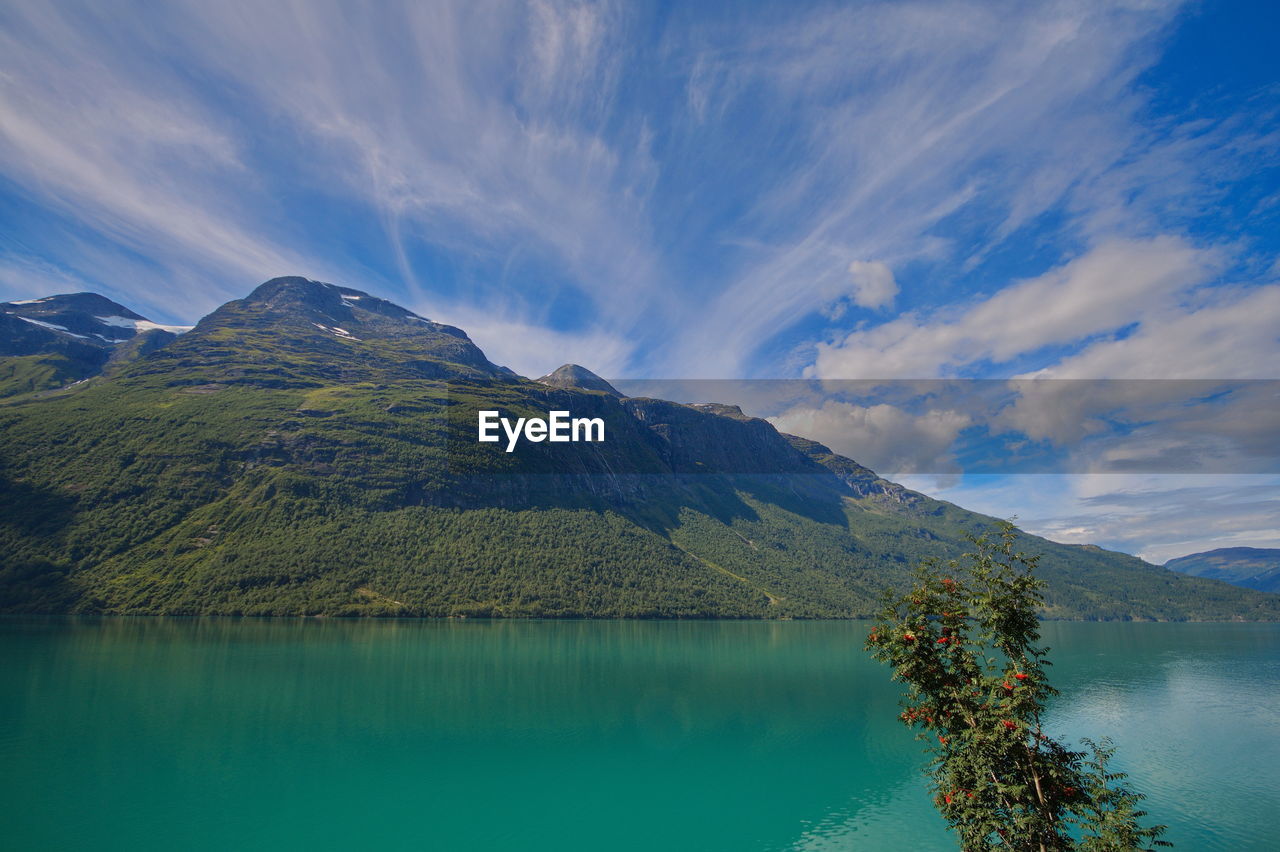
(61, 328)
(142, 325)
(340, 332)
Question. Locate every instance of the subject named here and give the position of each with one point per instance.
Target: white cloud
(122, 162)
(1154, 516)
(1168, 425)
(873, 284)
(1106, 289)
(1230, 334)
(534, 350)
(883, 437)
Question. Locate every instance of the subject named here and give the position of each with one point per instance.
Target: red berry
(1010, 725)
(1020, 676)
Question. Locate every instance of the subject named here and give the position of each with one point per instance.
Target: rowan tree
(965, 642)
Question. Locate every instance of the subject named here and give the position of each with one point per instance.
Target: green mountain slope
(312, 450)
(1251, 567)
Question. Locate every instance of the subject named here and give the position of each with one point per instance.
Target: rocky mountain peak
(295, 329)
(577, 377)
(298, 298)
(731, 411)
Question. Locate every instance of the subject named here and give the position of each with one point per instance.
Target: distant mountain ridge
(58, 339)
(311, 449)
(1251, 567)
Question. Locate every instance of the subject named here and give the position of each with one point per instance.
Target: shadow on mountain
(652, 500)
(29, 581)
(33, 511)
(660, 457)
(36, 586)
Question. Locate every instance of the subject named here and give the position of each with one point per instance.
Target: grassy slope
(24, 374)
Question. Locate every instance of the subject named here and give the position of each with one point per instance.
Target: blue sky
(827, 191)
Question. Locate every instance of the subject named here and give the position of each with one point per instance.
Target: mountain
(291, 332)
(50, 342)
(1251, 567)
(573, 376)
(311, 449)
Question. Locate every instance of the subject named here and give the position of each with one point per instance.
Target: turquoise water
(225, 734)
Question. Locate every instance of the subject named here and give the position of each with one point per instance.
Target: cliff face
(717, 439)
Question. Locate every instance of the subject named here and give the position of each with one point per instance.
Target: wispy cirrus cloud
(698, 186)
(469, 128)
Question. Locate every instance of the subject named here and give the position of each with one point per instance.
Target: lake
(193, 734)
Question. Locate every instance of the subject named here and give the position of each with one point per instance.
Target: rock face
(1251, 567)
(312, 449)
(712, 438)
(580, 378)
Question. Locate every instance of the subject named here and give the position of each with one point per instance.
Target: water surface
(214, 734)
